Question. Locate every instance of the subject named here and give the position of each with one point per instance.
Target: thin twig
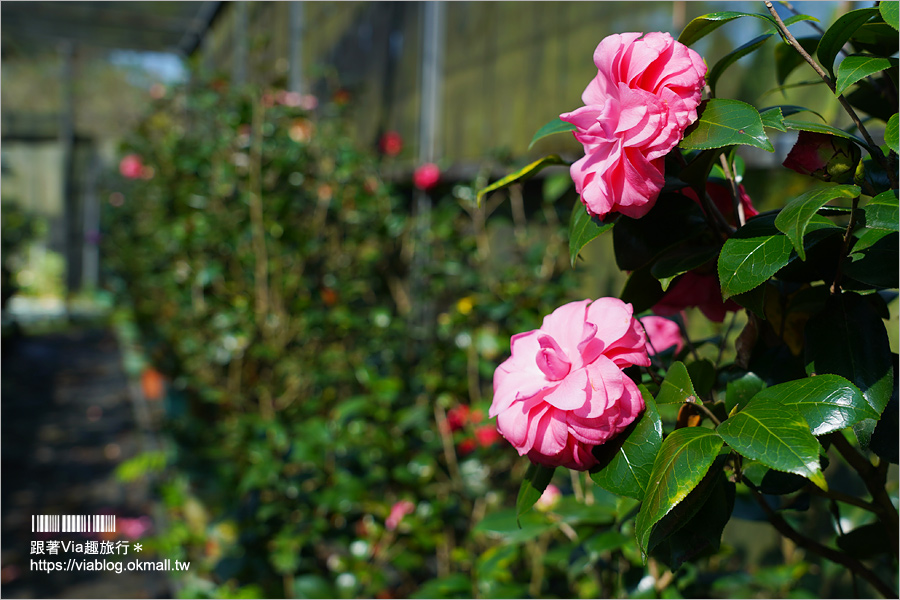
(842, 497)
(785, 529)
(848, 235)
(738, 208)
(699, 404)
(874, 150)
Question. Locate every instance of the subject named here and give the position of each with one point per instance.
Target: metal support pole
(239, 65)
(295, 47)
(431, 76)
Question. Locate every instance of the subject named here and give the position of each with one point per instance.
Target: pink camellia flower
(824, 157)
(562, 391)
(662, 334)
(549, 499)
(426, 176)
(391, 143)
(644, 96)
(398, 511)
(131, 166)
(696, 289)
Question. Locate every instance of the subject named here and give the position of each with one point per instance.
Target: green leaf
(533, 485)
(456, 585)
(725, 122)
(676, 263)
(674, 219)
(557, 125)
(513, 529)
(827, 402)
(776, 435)
(738, 392)
(881, 211)
(889, 13)
(854, 68)
(787, 59)
(848, 338)
(890, 134)
(642, 290)
(754, 300)
(520, 175)
(683, 459)
(794, 218)
(798, 125)
(706, 24)
(701, 533)
(867, 239)
(750, 257)
(626, 461)
(839, 34)
(676, 388)
(877, 264)
(703, 375)
(869, 540)
(712, 77)
(583, 229)
(773, 119)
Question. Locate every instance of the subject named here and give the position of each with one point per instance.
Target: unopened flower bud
(825, 157)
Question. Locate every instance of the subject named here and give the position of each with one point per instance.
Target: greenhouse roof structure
(149, 26)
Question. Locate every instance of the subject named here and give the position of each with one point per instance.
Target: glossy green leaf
(673, 220)
(706, 24)
(794, 218)
(642, 290)
(839, 34)
(848, 338)
(879, 39)
(712, 77)
(698, 169)
(676, 388)
(672, 265)
(891, 134)
(854, 68)
(536, 479)
(626, 462)
(724, 122)
(798, 125)
(584, 229)
(787, 58)
(683, 459)
(750, 257)
(773, 118)
(754, 300)
(555, 126)
(524, 173)
(868, 238)
(699, 533)
(889, 13)
(776, 435)
(827, 402)
(506, 525)
(703, 376)
(876, 264)
(882, 211)
(738, 392)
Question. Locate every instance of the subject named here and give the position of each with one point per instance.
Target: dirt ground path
(67, 421)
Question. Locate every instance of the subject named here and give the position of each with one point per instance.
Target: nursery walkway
(67, 421)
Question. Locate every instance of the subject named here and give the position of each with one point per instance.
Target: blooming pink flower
(398, 511)
(662, 334)
(487, 435)
(645, 94)
(563, 391)
(548, 499)
(457, 417)
(131, 166)
(696, 289)
(391, 143)
(426, 176)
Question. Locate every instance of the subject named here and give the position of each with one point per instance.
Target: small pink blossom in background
(131, 166)
(457, 417)
(398, 511)
(721, 197)
(390, 143)
(696, 289)
(644, 96)
(467, 446)
(487, 435)
(426, 176)
(563, 391)
(133, 529)
(549, 499)
(157, 91)
(662, 334)
(824, 157)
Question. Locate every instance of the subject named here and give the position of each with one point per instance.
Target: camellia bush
(780, 411)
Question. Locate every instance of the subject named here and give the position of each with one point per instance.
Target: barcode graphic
(73, 523)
